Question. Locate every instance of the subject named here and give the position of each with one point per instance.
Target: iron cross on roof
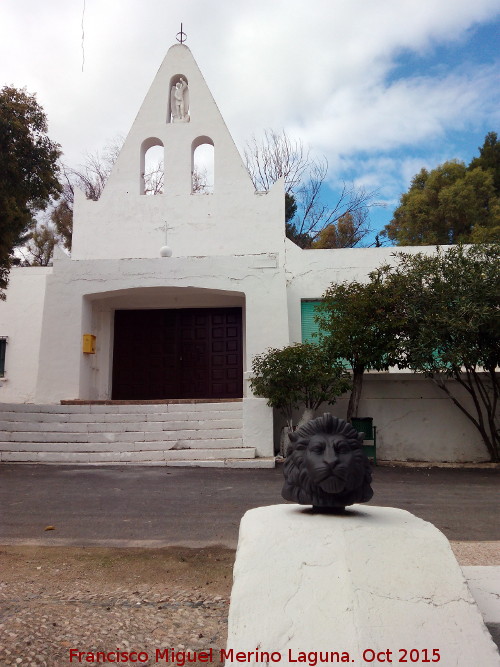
(182, 37)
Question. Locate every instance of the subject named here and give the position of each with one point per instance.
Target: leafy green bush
(303, 374)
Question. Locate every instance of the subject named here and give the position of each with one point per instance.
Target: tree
(61, 215)
(28, 171)
(90, 178)
(451, 328)
(302, 374)
(39, 249)
(452, 203)
(307, 213)
(359, 323)
(199, 183)
(489, 158)
(350, 230)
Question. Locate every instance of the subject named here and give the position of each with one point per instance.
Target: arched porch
(157, 343)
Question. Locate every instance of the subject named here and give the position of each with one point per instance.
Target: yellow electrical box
(88, 346)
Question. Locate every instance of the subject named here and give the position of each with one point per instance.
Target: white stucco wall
(228, 247)
(21, 320)
(415, 420)
(82, 296)
(310, 272)
(199, 225)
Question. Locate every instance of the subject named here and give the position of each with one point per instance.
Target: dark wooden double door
(184, 353)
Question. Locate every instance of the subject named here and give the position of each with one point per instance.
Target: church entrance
(181, 353)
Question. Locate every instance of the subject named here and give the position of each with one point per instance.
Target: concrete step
(29, 425)
(136, 457)
(118, 408)
(115, 417)
(120, 445)
(118, 426)
(227, 463)
(179, 433)
(103, 434)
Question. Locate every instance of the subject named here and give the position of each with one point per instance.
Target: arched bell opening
(152, 178)
(202, 166)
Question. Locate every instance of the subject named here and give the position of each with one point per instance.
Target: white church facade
(138, 348)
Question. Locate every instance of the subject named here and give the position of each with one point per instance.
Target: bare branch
(154, 179)
(200, 181)
(277, 156)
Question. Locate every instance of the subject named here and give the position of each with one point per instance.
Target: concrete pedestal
(376, 585)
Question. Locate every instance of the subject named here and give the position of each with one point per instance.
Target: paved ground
(97, 588)
(150, 506)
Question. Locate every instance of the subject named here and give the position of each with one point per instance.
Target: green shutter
(309, 326)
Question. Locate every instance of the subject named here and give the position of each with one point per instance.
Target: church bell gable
(177, 117)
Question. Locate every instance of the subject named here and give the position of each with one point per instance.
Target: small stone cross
(166, 228)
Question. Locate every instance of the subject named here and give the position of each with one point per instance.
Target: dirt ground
(53, 600)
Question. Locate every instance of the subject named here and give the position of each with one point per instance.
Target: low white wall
(415, 421)
(258, 426)
(367, 587)
(21, 320)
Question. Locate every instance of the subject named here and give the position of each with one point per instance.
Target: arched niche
(178, 99)
(202, 165)
(152, 167)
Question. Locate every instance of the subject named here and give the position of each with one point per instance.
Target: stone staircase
(169, 433)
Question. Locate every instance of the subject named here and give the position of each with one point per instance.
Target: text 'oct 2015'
(414, 656)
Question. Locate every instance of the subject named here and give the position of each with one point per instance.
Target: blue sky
(473, 55)
(476, 49)
(476, 45)
(381, 88)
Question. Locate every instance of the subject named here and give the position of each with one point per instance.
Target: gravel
(53, 600)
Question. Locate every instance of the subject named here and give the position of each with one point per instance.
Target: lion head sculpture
(326, 466)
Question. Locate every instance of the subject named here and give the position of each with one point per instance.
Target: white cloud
(320, 69)
(383, 117)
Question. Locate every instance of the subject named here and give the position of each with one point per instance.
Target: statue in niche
(326, 466)
(179, 102)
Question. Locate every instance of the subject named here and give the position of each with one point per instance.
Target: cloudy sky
(380, 87)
